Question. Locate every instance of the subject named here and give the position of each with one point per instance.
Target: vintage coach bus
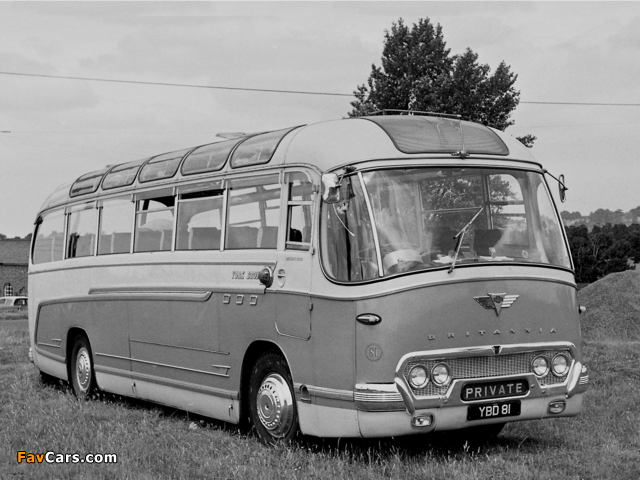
(376, 276)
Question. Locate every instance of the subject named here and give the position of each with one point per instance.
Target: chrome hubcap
(83, 369)
(275, 405)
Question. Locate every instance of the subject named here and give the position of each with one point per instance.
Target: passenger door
(292, 280)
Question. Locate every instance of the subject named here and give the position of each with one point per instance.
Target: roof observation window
(162, 166)
(208, 158)
(258, 149)
(122, 175)
(415, 134)
(87, 183)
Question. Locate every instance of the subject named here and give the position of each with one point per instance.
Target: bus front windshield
(421, 214)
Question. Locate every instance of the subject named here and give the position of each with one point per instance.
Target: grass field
(160, 443)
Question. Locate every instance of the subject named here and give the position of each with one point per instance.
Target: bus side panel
(240, 325)
(176, 340)
(48, 341)
(108, 330)
(334, 337)
(331, 411)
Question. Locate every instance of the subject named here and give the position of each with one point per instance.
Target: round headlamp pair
(440, 375)
(559, 365)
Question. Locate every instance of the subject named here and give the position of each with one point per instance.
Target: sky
(584, 52)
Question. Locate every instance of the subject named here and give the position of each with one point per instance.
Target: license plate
(486, 391)
(494, 410)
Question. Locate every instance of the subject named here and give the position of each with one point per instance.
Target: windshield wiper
(460, 236)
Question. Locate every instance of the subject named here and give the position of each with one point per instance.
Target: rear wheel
(81, 371)
(272, 406)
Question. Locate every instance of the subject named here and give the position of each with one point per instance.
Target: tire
(82, 376)
(272, 408)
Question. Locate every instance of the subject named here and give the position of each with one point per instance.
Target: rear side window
(81, 236)
(49, 243)
(116, 226)
(154, 224)
(200, 220)
(254, 214)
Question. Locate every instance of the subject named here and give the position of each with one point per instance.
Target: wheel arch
(72, 334)
(253, 352)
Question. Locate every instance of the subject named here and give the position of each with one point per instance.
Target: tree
(566, 215)
(602, 251)
(419, 74)
(634, 213)
(602, 216)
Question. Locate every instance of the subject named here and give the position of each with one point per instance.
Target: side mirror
(562, 188)
(330, 188)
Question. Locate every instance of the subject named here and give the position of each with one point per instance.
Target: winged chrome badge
(496, 301)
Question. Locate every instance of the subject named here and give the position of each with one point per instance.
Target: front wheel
(83, 380)
(272, 406)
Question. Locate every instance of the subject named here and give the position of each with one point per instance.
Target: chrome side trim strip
(48, 345)
(147, 362)
(197, 293)
(292, 336)
(153, 294)
(179, 346)
(323, 392)
(146, 264)
(218, 392)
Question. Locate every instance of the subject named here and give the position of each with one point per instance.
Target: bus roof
(325, 145)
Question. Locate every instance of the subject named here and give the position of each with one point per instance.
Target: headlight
(440, 374)
(540, 366)
(418, 376)
(560, 365)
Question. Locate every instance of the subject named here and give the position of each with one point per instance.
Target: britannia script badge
(496, 301)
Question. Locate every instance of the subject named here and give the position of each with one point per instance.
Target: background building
(14, 263)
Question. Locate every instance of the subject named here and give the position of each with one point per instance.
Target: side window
(116, 226)
(49, 244)
(200, 220)
(154, 223)
(81, 231)
(254, 213)
(549, 234)
(346, 234)
(299, 211)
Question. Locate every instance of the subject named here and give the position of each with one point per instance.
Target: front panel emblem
(373, 352)
(496, 301)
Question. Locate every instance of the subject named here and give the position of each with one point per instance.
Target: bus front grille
(482, 367)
